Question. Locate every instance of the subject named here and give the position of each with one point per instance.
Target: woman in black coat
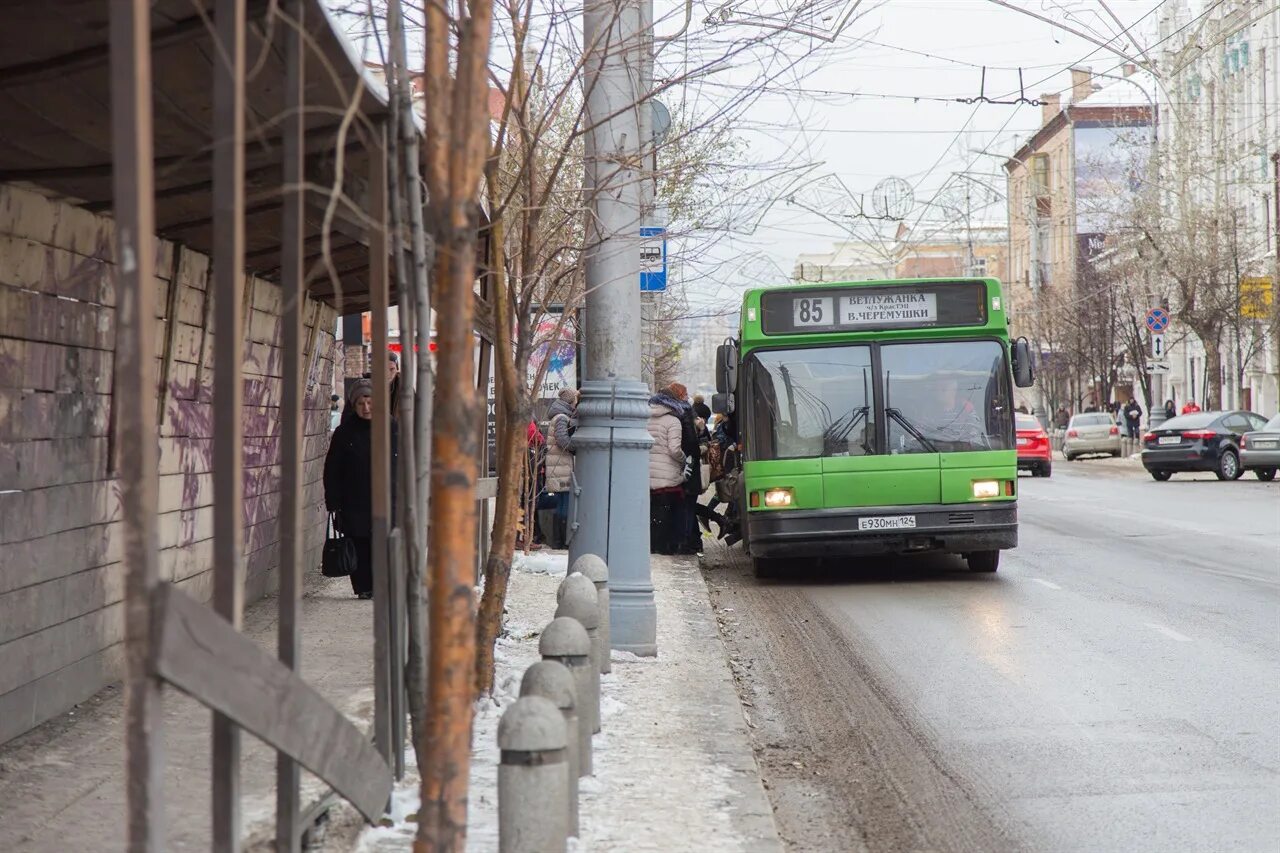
(348, 488)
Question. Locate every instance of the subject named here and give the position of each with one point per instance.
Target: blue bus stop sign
(653, 259)
(1157, 320)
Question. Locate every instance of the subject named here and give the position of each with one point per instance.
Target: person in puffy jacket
(668, 469)
(560, 452)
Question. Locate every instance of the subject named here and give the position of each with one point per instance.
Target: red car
(1034, 453)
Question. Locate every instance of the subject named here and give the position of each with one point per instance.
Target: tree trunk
(1212, 376)
(452, 543)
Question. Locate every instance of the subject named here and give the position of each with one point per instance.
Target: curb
(723, 728)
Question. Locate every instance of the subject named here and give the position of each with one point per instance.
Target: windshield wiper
(910, 428)
(837, 432)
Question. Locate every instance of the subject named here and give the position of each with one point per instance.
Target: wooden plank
(50, 695)
(51, 367)
(486, 487)
(45, 318)
(204, 656)
(41, 512)
(34, 608)
(37, 464)
(28, 416)
(37, 560)
(26, 659)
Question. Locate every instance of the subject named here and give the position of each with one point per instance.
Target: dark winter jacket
(348, 467)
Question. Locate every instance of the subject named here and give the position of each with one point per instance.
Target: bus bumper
(951, 528)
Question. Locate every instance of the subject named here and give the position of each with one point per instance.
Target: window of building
(1040, 175)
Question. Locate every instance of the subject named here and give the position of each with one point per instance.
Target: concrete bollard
(533, 778)
(579, 602)
(552, 681)
(597, 572)
(565, 641)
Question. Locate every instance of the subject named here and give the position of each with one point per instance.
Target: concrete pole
(612, 439)
(597, 572)
(553, 681)
(565, 641)
(533, 778)
(578, 601)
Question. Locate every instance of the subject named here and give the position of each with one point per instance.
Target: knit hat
(675, 389)
(569, 395)
(358, 389)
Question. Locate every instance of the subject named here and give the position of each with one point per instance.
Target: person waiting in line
(559, 460)
(677, 395)
(1132, 417)
(348, 490)
(668, 468)
(700, 407)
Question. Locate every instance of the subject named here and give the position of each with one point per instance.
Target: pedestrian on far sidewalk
(348, 490)
(1190, 407)
(1170, 412)
(1132, 417)
(560, 457)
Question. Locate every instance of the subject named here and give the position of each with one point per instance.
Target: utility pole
(612, 440)
(644, 119)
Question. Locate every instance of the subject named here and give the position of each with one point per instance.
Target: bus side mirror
(1024, 375)
(723, 404)
(726, 368)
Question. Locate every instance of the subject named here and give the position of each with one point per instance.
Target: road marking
(1169, 632)
(1049, 584)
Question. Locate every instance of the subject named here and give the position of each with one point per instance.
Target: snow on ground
(663, 781)
(542, 563)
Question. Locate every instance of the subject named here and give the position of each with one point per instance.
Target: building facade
(1219, 108)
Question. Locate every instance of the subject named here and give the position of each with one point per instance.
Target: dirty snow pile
(542, 563)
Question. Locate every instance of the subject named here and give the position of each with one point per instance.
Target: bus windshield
(931, 397)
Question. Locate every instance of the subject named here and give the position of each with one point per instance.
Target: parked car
(1201, 441)
(1091, 433)
(1260, 450)
(1034, 453)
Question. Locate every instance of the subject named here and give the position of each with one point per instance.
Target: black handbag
(339, 557)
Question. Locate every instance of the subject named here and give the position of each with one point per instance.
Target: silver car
(1260, 450)
(1091, 433)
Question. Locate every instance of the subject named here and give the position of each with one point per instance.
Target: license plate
(1170, 439)
(1264, 445)
(887, 522)
(1023, 441)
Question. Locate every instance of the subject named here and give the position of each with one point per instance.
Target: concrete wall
(61, 576)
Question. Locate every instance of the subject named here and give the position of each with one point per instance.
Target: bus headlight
(986, 489)
(777, 498)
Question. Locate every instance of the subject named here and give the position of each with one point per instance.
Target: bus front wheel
(983, 561)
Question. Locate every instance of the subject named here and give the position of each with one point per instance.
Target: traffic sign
(653, 259)
(1157, 320)
(1158, 367)
(1157, 346)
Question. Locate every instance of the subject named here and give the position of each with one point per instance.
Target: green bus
(875, 417)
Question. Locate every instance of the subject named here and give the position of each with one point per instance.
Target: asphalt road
(1115, 687)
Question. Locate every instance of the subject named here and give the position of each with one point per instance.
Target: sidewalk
(674, 770)
(62, 784)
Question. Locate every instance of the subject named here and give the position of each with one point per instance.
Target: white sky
(864, 139)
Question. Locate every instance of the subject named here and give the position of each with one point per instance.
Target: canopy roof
(56, 130)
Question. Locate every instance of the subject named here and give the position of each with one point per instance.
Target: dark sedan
(1201, 441)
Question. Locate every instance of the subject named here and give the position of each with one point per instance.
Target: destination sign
(881, 309)
(855, 309)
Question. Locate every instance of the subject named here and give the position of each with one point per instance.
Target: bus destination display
(858, 309)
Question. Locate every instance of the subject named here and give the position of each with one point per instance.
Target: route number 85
(811, 311)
